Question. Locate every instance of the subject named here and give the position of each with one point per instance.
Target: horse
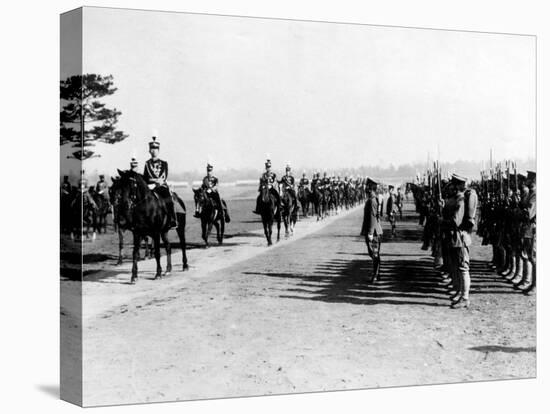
(114, 197)
(318, 201)
(289, 210)
(145, 214)
(304, 196)
(66, 211)
(210, 215)
(103, 210)
(83, 216)
(270, 212)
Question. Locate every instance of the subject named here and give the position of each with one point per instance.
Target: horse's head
(126, 192)
(199, 195)
(264, 192)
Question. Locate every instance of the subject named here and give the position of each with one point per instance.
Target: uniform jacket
(371, 218)
(210, 182)
(155, 169)
(287, 180)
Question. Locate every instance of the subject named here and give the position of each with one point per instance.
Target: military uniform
(458, 222)
(269, 179)
(371, 229)
(102, 189)
(210, 185)
(528, 234)
(391, 209)
(155, 174)
(399, 201)
(66, 187)
(84, 193)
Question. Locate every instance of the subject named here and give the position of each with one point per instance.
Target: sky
(317, 95)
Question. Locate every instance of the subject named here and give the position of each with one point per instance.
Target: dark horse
(83, 216)
(304, 196)
(145, 214)
(103, 210)
(210, 215)
(289, 211)
(114, 196)
(270, 212)
(319, 201)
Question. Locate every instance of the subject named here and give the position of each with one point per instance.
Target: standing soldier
(210, 186)
(400, 203)
(268, 178)
(371, 228)
(155, 175)
(391, 208)
(458, 223)
(529, 227)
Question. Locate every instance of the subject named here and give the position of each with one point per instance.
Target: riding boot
(518, 275)
(257, 209)
(527, 276)
(512, 267)
(172, 214)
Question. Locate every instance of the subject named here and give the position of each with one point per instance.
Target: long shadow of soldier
(407, 281)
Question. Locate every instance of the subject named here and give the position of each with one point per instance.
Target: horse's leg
(221, 230)
(278, 218)
(120, 246)
(183, 244)
(156, 245)
(135, 255)
(267, 230)
(204, 226)
(168, 248)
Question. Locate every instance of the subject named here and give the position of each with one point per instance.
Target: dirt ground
(299, 317)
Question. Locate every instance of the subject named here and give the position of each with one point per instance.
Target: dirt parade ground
(300, 316)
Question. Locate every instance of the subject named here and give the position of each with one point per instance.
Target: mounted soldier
(134, 165)
(287, 181)
(101, 188)
(83, 192)
(304, 181)
(268, 178)
(155, 174)
(210, 186)
(66, 187)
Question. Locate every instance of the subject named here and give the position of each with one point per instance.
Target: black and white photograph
(254, 206)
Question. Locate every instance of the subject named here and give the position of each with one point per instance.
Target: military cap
(391, 187)
(458, 178)
(133, 162)
(371, 182)
(154, 143)
(531, 175)
(287, 166)
(101, 176)
(521, 177)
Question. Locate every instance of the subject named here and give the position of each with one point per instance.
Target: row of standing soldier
(502, 205)
(508, 223)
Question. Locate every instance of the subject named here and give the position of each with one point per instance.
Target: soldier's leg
(167, 198)
(527, 265)
(463, 256)
(257, 209)
(520, 275)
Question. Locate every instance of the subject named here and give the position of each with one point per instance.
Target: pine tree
(82, 111)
